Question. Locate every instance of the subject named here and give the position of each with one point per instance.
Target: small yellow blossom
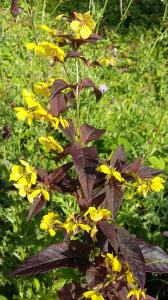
(111, 172)
(59, 17)
(43, 88)
(113, 262)
(50, 143)
(138, 294)
(47, 29)
(72, 225)
(47, 49)
(97, 214)
(107, 61)
(93, 295)
(83, 25)
(147, 185)
(36, 192)
(49, 223)
(130, 278)
(23, 185)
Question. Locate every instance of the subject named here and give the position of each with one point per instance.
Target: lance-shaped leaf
(147, 172)
(109, 231)
(131, 252)
(57, 105)
(118, 158)
(156, 259)
(58, 86)
(58, 174)
(85, 162)
(69, 131)
(88, 83)
(132, 167)
(36, 206)
(114, 197)
(89, 133)
(75, 54)
(59, 255)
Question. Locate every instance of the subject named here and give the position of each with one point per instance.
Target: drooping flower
(93, 295)
(138, 293)
(48, 29)
(49, 223)
(113, 262)
(47, 49)
(111, 172)
(83, 25)
(144, 186)
(50, 143)
(97, 214)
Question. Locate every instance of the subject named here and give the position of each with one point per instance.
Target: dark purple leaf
(66, 151)
(114, 197)
(133, 167)
(41, 173)
(67, 185)
(36, 206)
(95, 274)
(118, 158)
(156, 259)
(85, 162)
(89, 133)
(6, 132)
(131, 252)
(69, 131)
(57, 105)
(58, 174)
(75, 54)
(147, 172)
(87, 83)
(58, 86)
(59, 255)
(110, 232)
(15, 9)
(71, 291)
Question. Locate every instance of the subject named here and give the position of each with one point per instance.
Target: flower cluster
(47, 49)
(83, 25)
(25, 177)
(144, 186)
(110, 172)
(35, 111)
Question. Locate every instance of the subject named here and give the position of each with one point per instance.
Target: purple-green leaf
(36, 206)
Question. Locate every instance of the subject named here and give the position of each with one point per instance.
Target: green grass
(133, 111)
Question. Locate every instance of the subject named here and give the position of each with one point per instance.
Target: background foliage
(133, 111)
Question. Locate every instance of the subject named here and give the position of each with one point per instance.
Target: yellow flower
(98, 214)
(138, 293)
(93, 295)
(30, 99)
(146, 185)
(36, 192)
(43, 88)
(49, 222)
(17, 173)
(23, 185)
(107, 61)
(72, 225)
(111, 172)
(47, 29)
(83, 25)
(113, 262)
(47, 49)
(130, 278)
(157, 184)
(50, 143)
(30, 171)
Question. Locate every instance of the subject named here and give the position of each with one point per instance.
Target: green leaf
(158, 163)
(3, 298)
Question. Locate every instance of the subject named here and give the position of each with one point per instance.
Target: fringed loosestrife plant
(113, 263)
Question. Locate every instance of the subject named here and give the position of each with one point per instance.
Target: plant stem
(56, 8)
(77, 94)
(101, 15)
(43, 11)
(123, 17)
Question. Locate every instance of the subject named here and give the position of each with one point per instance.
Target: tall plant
(112, 262)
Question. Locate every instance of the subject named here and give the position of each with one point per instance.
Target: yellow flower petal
(85, 31)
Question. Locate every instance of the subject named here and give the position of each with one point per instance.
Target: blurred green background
(134, 111)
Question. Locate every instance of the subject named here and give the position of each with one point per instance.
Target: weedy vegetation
(86, 146)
